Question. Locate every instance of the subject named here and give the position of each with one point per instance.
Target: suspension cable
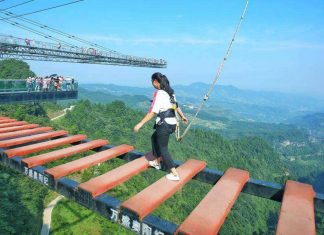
(16, 24)
(20, 4)
(35, 23)
(218, 73)
(46, 9)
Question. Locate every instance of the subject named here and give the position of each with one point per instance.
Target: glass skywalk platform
(14, 91)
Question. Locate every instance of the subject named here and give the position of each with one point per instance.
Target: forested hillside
(115, 122)
(313, 122)
(14, 69)
(21, 203)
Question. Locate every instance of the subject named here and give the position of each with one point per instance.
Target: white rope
(218, 73)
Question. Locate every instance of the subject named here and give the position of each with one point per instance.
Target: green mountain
(100, 96)
(247, 104)
(313, 122)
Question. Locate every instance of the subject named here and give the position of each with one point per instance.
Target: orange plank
(17, 128)
(3, 117)
(115, 177)
(210, 214)
(62, 153)
(151, 197)
(32, 138)
(22, 151)
(24, 132)
(12, 124)
(88, 161)
(297, 210)
(7, 120)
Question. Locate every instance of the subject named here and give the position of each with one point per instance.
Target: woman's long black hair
(164, 83)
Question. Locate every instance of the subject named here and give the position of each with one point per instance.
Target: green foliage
(14, 69)
(319, 218)
(70, 218)
(115, 122)
(21, 203)
(33, 113)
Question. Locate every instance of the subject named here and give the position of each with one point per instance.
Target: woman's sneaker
(155, 165)
(173, 177)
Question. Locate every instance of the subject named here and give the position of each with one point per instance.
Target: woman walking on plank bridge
(165, 106)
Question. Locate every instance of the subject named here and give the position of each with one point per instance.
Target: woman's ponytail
(164, 83)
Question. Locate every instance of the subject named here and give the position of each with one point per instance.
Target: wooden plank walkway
(296, 217)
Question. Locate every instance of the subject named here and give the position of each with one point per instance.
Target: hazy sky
(280, 45)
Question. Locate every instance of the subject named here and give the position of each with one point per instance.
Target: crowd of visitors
(50, 83)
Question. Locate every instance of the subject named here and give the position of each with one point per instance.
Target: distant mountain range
(313, 122)
(225, 101)
(103, 96)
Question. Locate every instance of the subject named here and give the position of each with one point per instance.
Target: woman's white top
(161, 102)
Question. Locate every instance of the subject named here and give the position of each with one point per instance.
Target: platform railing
(21, 85)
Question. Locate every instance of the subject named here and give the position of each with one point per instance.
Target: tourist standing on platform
(164, 105)
(27, 41)
(52, 84)
(61, 81)
(29, 84)
(72, 82)
(33, 81)
(38, 81)
(45, 84)
(68, 82)
(41, 83)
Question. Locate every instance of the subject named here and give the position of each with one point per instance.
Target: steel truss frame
(11, 47)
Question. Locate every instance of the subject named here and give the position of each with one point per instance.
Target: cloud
(178, 17)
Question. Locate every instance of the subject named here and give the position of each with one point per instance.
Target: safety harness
(170, 113)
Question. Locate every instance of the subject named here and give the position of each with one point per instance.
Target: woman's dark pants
(160, 141)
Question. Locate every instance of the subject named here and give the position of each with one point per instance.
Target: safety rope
(218, 73)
